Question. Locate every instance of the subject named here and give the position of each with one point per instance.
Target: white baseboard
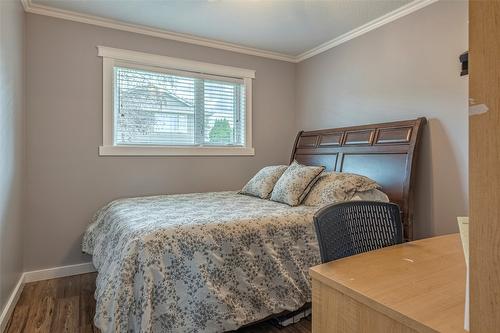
(11, 303)
(57, 272)
(39, 275)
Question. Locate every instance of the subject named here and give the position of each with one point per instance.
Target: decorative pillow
(334, 187)
(295, 183)
(371, 195)
(262, 184)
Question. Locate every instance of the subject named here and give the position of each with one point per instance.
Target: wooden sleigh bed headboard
(386, 153)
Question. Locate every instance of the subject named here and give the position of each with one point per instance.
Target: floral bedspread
(204, 262)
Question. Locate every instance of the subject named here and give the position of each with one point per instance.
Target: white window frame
(112, 57)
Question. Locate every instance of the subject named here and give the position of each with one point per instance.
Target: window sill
(174, 151)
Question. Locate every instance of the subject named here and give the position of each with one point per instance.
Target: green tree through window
(221, 132)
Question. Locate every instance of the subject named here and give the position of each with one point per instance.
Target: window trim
(114, 57)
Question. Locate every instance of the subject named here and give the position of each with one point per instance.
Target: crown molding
(34, 8)
(409, 8)
(361, 30)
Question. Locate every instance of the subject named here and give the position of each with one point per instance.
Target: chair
(352, 227)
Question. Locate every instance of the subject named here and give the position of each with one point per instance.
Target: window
(155, 105)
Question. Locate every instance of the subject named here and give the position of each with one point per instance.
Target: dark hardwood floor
(67, 305)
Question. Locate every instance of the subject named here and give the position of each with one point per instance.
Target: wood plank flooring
(67, 305)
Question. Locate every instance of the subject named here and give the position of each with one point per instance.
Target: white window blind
(181, 109)
(155, 105)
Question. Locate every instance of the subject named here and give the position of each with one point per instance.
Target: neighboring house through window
(173, 123)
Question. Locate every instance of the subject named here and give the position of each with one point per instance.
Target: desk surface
(420, 284)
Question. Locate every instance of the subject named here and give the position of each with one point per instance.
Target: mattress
(202, 262)
(205, 262)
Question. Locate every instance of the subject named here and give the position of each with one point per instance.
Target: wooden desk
(412, 287)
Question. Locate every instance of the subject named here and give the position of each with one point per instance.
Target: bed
(213, 262)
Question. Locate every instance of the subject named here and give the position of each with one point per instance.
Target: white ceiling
(288, 27)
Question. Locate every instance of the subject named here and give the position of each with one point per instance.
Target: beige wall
(11, 144)
(67, 181)
(405, 69)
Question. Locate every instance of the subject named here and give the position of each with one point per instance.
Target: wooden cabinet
(484, 164)
(412, 287)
